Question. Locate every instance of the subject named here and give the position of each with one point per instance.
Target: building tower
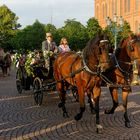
(128, 9)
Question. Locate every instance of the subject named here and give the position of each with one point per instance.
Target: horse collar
(86, 68)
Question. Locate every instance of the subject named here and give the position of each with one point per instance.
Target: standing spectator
(2, 54)
(64, 47)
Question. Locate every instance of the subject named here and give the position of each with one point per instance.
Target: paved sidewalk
(21, 119)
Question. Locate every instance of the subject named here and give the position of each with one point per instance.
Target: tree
(8, 26)
(93, 27)
(75, 33)
(123, 32)
(30, 37)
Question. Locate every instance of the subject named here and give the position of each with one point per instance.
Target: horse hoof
(109, 111)
(99, 129)
(60, 105)
(128, 125)
(78, 117)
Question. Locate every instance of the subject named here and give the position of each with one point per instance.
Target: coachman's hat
(48, 34)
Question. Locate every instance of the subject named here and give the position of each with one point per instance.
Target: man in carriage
(49, 50)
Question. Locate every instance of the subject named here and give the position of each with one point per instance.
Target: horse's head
(103, 54)
(130, 52)
(96, 55)
(133, 47)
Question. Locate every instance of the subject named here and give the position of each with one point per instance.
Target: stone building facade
(128, 9)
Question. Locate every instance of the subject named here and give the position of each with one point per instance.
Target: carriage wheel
(19, 86)
(38, 93)
(19, 81)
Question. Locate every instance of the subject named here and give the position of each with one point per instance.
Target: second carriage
(35, 73)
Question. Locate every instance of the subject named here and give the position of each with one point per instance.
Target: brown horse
(7, 64)
(82, 71)
(121, 72)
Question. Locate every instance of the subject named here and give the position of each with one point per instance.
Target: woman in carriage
(64, 47)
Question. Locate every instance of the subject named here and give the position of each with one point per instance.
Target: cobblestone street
(21, 119)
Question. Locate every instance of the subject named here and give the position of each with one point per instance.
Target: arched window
(120, 7)
(128, 10)
(112, 7)
(97, 12)
(136, 5)
(125, 4)
(116, 6)
(106, 10)
(103, 11)
(136, 27)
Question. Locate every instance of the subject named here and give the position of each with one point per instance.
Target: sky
(50, 11)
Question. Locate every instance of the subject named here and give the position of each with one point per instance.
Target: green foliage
(28, 68)
(122, 32)
(76, 34)
(126, 30)
(8, 26)
(29, 38)
(93, 27)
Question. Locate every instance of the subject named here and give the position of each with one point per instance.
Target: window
(125, 4)
(116, 6)
(97, 12)
(120, 7)
(136, 4)
(105, 10)
(113, 8)
(137, 27)
(128, 2)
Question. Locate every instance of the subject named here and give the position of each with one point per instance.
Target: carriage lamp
(119, 22)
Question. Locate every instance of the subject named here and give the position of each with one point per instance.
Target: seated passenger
(38, 59)
(64, 47)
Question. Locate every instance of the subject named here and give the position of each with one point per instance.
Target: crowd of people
(43, 57)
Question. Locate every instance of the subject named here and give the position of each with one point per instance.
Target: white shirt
(64, 48)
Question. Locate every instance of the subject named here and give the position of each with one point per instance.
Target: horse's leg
(62, 95)
(114, 95)
(81, 101)
(4, 71)
(96, 97)
(90, 101)
(125, 98)
(8, 70)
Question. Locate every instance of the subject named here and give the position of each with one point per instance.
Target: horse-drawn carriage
(87, 71)
(36, 77)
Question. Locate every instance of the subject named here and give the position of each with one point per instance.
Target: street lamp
(119, 22)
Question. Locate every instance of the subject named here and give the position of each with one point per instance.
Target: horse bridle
(86, 68)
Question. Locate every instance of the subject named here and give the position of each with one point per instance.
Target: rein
(86, 68)
(72, 74)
